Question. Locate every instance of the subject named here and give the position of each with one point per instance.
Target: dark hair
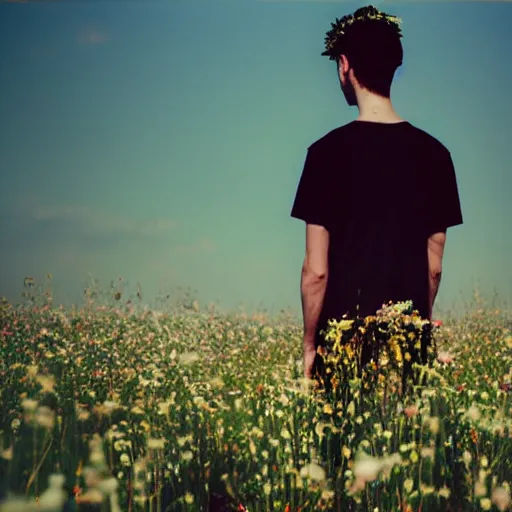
(370, 39)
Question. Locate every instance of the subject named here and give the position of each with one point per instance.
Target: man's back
(380, 190)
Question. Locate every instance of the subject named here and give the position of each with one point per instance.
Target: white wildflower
(501, 498)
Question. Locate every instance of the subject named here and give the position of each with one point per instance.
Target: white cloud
(92, 221)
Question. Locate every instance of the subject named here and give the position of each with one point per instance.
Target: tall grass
(112, 406)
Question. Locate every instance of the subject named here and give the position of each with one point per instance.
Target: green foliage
(144, 409)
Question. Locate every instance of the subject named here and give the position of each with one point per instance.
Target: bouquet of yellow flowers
(379, 352)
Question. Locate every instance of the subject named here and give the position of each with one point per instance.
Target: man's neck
(376, 109)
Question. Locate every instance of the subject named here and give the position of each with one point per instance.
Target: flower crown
(340, 27)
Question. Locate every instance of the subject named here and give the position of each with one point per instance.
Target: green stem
(33, 476)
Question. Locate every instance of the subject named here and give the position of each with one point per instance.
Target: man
(377, 194)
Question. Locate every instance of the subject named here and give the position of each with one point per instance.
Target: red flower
(437, 323)
(411, 411)
(506, 386)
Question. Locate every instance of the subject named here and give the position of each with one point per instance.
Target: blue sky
(163, 141)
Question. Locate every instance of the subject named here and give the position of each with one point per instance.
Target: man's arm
(313, 206)
(444, 212)
(314, 279)
(436, 243)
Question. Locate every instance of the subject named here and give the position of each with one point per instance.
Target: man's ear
(343, 64)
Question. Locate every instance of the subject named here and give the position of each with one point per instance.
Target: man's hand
(309, 357)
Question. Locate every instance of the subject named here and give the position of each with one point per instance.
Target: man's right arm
(436, 243)
(444, 212)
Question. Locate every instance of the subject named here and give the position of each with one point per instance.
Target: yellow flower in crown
(341, 27)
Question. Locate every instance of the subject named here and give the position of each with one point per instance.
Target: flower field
(116, 409)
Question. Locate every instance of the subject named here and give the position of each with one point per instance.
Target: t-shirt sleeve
(311, 204)
(445, 210)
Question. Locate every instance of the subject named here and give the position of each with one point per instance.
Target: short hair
(370, 39)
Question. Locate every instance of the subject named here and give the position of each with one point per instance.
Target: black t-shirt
(380, 190)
